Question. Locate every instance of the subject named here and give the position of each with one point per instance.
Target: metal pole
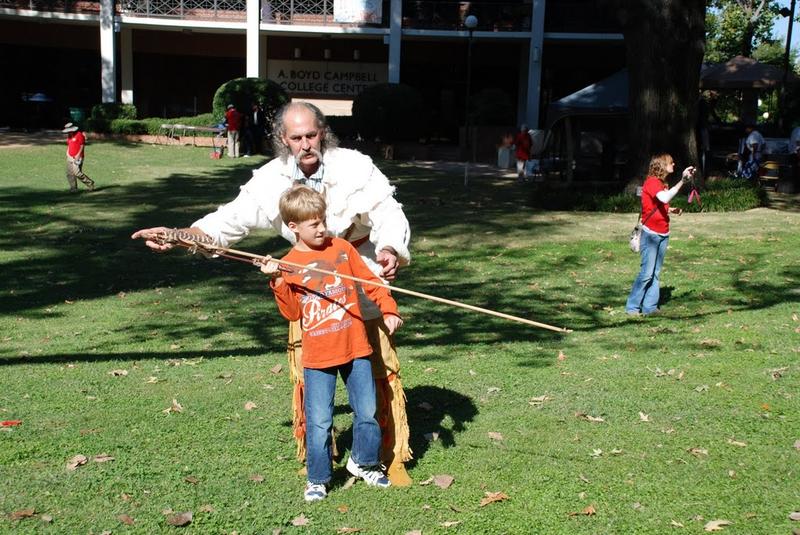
(786, 65)
(466, 111)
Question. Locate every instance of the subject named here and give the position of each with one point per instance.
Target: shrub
(725, 195)
(389, 112)
(242, 92)
(102, 114)
(152, 125)
(343, 126)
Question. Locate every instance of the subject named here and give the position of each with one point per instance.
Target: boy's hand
(271, 268)
(392, 322)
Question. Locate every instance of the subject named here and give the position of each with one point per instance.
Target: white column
(535, 64)
(108, 61)
(126, 63)
(395, 36)
(253, 41)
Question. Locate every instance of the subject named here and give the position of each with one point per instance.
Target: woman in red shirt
(656, 195)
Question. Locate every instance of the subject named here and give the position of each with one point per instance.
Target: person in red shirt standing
(233, 121)
(523, 143)
(334, 337)
(75, 145)
(656, 194)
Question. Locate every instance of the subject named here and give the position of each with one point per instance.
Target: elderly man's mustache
(303, 153)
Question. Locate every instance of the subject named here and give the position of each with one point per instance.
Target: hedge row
(152, 125)
(725, 195)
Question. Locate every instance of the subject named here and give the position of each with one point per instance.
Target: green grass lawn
(653, 425)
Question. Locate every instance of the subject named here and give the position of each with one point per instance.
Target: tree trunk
(665, 43)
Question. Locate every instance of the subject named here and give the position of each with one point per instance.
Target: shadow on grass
(434, 414)
(79, 248)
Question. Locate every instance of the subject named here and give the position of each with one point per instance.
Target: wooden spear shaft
(264, 259)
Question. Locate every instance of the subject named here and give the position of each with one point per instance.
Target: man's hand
(149, 235)
(392, 322)
(388, 259)
(676, 211)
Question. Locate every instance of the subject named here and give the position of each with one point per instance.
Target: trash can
(78, 116)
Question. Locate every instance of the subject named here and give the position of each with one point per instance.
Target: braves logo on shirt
(325, 307)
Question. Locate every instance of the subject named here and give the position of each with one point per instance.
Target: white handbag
(636, 234)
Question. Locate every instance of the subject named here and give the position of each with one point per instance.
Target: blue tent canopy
(606, 97)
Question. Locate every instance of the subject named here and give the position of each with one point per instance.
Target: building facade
(169, 56)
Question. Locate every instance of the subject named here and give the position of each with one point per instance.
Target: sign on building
(357, 11)
(329, 79)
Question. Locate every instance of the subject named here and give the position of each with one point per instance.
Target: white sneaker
(373, 475)
(314, 492)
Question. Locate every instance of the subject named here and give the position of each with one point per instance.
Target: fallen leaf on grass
(118, 373)
(413, 532)
(589, 418)
(125, 519)
(276, 369)
(644, 417)
(450, 523)
(343, 508)
(258, 478)
(207, 508)
(22, 513)
(46, 519)
(597, 452)
(589, 510)
(492, 389)
(495, 436)
(176, 407)
(794, 516)
(349, 483)
(737, 443)
(180, 519)
(192, 480)
(561, 356)
(75, 462)
(491, 497)
(442, 481)
(300, 521)
(102, 458)
(676, 524)
(10, 423)
(697, 452)
(797, 445)
(151, 380)
(348, 530)
(716, 525)
(539, 400)
(250, 406)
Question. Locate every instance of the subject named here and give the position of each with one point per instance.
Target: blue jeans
(320, 387)
(645, 292)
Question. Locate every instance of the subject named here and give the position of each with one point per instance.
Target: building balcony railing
(53, 6)
(222, 10)
(492, 16)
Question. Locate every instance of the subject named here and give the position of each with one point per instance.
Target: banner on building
(357, 11)
(330, 79)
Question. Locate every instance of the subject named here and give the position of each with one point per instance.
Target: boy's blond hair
(301, 203)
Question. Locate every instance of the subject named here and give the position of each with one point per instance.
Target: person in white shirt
(751, 150)
(361, 209)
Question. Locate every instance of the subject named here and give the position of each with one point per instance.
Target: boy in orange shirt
(334, 337)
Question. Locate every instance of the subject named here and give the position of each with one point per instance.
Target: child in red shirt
(334, 337)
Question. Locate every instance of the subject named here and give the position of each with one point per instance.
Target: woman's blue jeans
(645, 292)
(320, 388)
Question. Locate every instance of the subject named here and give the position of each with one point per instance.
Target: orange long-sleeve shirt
(327, 305)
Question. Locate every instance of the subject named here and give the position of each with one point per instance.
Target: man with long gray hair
(361, 209)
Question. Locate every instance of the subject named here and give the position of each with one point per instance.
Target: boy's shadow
(432, 412)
